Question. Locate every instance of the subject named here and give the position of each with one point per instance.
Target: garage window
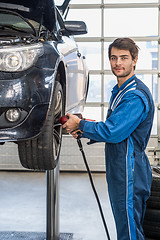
(107, 20)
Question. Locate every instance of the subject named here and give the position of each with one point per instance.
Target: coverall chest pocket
(130, 167)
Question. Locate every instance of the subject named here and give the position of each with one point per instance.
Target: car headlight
(15, 59)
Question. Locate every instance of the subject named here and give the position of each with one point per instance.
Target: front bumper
(29, 128)
(31, 93)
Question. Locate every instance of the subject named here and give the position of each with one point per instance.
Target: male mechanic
(126, 133)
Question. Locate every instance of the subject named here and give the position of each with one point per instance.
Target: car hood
(41, 11)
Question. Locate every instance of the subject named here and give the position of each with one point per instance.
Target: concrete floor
(23, 204)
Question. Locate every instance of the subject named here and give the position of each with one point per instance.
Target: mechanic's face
(122, 64)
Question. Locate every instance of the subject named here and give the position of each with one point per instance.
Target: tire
(154, 199)
(42, 152)
(155, 184)
(153, 215)
(151, 223)
(150, 238)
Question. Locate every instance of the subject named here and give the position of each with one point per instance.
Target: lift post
(52, 208)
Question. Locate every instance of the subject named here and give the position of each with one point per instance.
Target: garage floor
(23, 204)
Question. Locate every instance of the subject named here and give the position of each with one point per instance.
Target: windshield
(16, 22)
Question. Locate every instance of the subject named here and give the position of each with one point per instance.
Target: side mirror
(74, 28)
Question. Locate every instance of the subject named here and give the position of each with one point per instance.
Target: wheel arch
(61, 77)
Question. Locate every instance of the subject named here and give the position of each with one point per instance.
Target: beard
(124, 74)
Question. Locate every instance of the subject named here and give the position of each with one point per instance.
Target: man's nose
(118, 62)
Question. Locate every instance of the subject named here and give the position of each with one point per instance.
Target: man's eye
(124, 58)
(113, 58)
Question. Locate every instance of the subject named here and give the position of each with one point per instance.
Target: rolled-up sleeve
(131, 111)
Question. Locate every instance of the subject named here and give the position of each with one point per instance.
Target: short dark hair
(124, 44)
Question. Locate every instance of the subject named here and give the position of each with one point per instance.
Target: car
(42, 77)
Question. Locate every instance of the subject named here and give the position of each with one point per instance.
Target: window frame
(102, 39)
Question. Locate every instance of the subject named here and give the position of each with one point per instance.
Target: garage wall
(102, 30)
(70, 158)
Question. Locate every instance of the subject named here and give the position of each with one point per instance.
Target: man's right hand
(72, 124)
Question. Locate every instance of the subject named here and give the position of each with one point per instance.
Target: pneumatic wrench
(65, 118)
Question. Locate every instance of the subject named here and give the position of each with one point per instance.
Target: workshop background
(23, 192)
(107, 20)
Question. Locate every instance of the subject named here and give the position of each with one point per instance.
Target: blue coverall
(126, 133)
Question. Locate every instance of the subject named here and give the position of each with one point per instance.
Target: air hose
(93, 186)
(63, 120)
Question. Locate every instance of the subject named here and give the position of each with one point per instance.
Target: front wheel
(42, 152)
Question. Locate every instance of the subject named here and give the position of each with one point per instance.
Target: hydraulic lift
(52, 208)
(52, 214)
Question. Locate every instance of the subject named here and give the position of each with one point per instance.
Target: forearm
(122, 122)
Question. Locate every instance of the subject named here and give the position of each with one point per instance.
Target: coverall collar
(116, 89)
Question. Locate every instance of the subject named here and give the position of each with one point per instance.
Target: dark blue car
(42, 76)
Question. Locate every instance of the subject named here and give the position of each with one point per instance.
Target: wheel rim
(57, 128)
